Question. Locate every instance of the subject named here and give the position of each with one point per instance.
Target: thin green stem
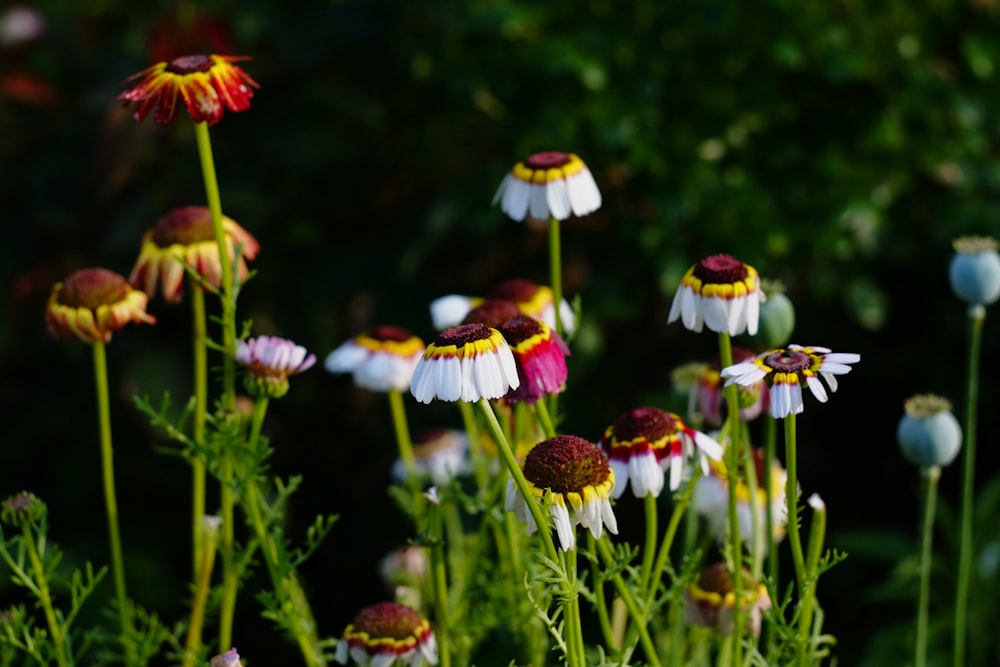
(202, 586)
(932, 475)
(572, 610)
(770, 440)
(555, 271)
(649, 549)
(756, 532)
(45, 597)
(817, 535)
(440, 583)
(198, 475)
(110, 500)
(600, 601)
(977, 315)
(733, 457)
(405, 446)
(639, 620)
(792, 500)
(230, 578)
(681, 502)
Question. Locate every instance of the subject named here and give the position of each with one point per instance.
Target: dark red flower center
(388, 620)
(462, 334)
(186, 225)
(519, 329)
(788, 361)
(390, 333)
(547, 160)
(715, 579)
(91, 288)
(646, 422)
(492, 313)
(565, 464)
(720, 270)
(516, 290)
(190, 64)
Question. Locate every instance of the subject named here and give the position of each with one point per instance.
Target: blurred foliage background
(838, 147)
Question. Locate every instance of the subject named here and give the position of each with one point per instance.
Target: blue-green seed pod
(777, 318)
(928, 434)
(974, 272)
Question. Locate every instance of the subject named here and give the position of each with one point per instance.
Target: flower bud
(974, 272)
(928, 434)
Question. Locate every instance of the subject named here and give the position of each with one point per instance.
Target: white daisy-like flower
(269, 362)
(465, 363)
(548, 185)
(786, 369)
(645, 441)
(571, 477)
(719, 292)
(379, 360)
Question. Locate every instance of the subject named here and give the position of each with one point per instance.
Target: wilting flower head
(974, 272)
(707, 400)
(719, 292)
(22, 509)
(644, 441)
(465, 363)
(538, 301)
(540, 357)
(91, 304)
(379, 360)
(208, 84)
(384, 633)
(440, 455)
(711, 499)
(184, 238)
(928, 434)
(572, 478)
(228, 659)
(548, 185)
(269, 362)
(710, 600)
(785, 369)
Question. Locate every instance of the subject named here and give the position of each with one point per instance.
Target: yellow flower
(208, 84)
(91, 304)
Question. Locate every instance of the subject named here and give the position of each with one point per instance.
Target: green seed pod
(928, 434)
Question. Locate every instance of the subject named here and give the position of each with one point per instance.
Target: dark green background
(836, 146)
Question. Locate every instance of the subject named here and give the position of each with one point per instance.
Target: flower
(567, 474)
(710, 498)
(492, 313)
(270, 361)
(228, 659)
(706, 398)
(208, 84)
(467, 363)
(379, 360)
(184, 238)
(784, 369)
(91, 304)
(720, 292)
(710, 600)
(440, 455)
(384, 633)
(974, 272)
(928, 434)
(644, 441)
(538, 301)
(23, 509)
(405, 574)
(548, 185)
(540, 357)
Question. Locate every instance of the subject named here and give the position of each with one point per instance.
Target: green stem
(572, 611)
(555, 271)
(198, 476)
(792, 500)
(977, 315)
(286, 585)
(756, 534)
(649, 550)
(639, 619)
(817, 535)
(733, 455)
(681, 502)
(932, 475)
(202, 586)
(770, 439)
(45, 597)
(545, 419)
(600, 602)
(230, 578)
(440, 583)
(110, 500)
(405, 446)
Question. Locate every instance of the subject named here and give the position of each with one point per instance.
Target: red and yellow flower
(91, 304)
